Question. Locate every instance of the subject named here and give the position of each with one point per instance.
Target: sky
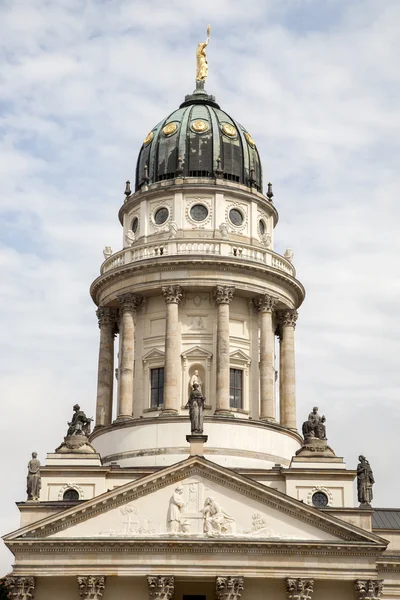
(316, 82)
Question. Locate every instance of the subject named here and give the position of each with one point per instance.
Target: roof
(386, 518)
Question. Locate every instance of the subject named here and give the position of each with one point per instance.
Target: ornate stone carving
(223, 228)
(289, 254)
(21, 588)
(76, 439)
(160, 587)
(176, 504)
(80, 423)
(91, 587)
(224, 294)
(228, 588)
(172, 294)
(130, 237)
(368, 589)
(314, 427)
(265, 303)
(288, 317)
(107, 252)
(172, 230)
(33, 480)
(129, 301)
(365, 481)
(196, 409)
(216, 521)
(299, 589)
(106, 316)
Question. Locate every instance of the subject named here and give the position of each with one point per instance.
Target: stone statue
(80, 424)
(365, 481)
(216, 521)
(130, 237)
(33, 480)
(314, 427)
(289, 254)
(172, 230)
(224, 230)
(195, 378)
(107, 252)
(196, 409)
(201, 57)
(176, 503)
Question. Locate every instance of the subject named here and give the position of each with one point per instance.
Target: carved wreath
(71, 486)
(324, 490)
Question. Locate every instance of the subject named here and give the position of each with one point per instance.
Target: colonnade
(122, 320)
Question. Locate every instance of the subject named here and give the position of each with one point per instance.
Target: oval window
(236, 217)
(199, 212)
(161, 215)
(320, 500)
(71, 494)
(135, 225)
(261, 226)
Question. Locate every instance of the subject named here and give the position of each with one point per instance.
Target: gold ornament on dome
(170, 128)
(229, 130)
(199, 126)
(148, 138)
(250, 140)
(201, 58)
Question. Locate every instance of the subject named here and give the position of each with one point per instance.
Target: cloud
(317, 85)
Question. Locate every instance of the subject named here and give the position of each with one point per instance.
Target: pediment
(195, 500)
(240, 356)
(154, 354)
(196, 352)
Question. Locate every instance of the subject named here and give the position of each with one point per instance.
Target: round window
(161, 215)
(71, 494)
(236, 217)
(261, 226)
(199, 212)
(320, 500)
(135, 225)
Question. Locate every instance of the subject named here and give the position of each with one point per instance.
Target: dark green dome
(199, 140)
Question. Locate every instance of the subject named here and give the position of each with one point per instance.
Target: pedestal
(197, 444)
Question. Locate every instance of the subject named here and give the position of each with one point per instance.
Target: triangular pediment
(240, 356)
(196, 352)
(195, 500)
(154, 354)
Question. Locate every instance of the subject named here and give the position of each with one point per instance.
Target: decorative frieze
(224, 294)
(265, 303)
(368, 589)
(129, 302)
(21, 588)
(228, 588)
(160, 587)
(172, 294)
(91, 587)
(288, 317)
(106, 316)
(299, 589)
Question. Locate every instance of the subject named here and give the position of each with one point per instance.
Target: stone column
(287, 387)
(228, 588)
(265, 305)
(368, 589)
(223, 297)
(20, 588)
(91, 587)
(160, 587)
(172, 296)
(127, 310)
(299, 589)
(105, 377)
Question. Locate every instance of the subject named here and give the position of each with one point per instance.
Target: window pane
(157, 387)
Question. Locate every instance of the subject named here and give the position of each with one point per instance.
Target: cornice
(167, 263)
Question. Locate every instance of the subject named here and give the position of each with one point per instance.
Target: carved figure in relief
(197, 323)
(130, 237)
(176, 504)
(314, 427)
(196, 409)
(224, 230)
(365, 481)
(216, 521)
(195, 378)
(172, 229)
(80, 423)
(34, 481)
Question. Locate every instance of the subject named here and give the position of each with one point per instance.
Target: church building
(196, 481)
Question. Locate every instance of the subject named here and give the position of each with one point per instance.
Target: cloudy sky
(316, 82)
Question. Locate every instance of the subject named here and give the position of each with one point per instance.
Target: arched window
(71, 494)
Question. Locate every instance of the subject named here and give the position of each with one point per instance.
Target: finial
(128, 189)
(219, 170)
(146, 174)
(270, 193)
(201, 58)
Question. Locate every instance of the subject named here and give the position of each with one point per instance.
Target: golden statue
(202, 64)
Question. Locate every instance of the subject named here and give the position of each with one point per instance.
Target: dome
(199, 140)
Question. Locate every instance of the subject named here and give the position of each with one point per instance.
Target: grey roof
(386, 518)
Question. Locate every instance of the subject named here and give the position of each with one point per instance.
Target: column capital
(368, 589)
(223, 294)
(129, 301)
(106, 316)
(161, 587)
(299, 589)
(228, 588)
(288, 317)
(20, 588)
(265, 303)
(172, 294)
(91, 587)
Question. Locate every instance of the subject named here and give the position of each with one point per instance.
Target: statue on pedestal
(33, 481)
(76, 439)
(195, 378)
(365, 481)
(201, 58)
(80, 424)
(314, 427)
(196, 409)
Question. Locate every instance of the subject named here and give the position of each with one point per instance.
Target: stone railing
(221, 249)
